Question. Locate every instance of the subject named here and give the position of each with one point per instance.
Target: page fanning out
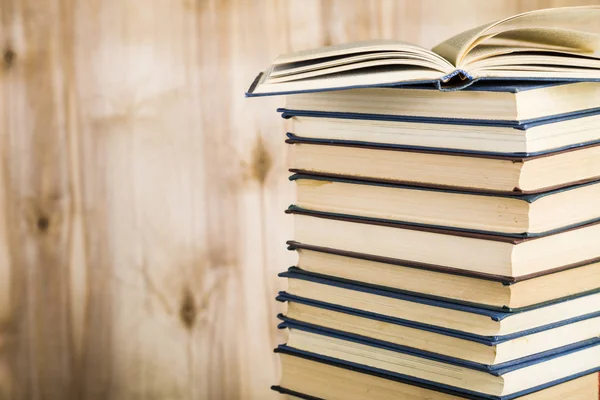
(573, 19)
(574, 41)
(352, 60)
(347, 49)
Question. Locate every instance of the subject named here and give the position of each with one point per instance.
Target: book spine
(456, 80)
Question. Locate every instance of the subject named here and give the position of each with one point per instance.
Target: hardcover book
(309, 377)
(511, 104)
(444, 167)
(552, 44)
(453, 285)
(510, 215)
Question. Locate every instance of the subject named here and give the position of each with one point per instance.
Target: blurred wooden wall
(142, 197)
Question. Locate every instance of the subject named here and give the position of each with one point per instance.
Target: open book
(559, 44)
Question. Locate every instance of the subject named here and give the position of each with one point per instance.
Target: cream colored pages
(561, 43)
(356, 48)
(387, 63)
(351, 78)
(551, 39)
(370, 63)
(484, 55)
(281, 71)
(557, 27)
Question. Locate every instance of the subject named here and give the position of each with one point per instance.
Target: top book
(559, 44)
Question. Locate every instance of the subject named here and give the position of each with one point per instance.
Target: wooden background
(142, 197)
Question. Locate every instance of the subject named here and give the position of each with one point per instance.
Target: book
(438, 128)
(489, 353)
(512, 381)
(469, 251)
(510, 215)
(312, 378)
(550, 44)
(426, 167)
(495, 324)
(508, 104)
(491, 291)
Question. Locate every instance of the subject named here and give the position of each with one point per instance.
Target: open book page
(378, 76)
(580, 25)
(281, 71)
(488, 51)
(535, 72)
(366, 66)
(514, 59)
(586, 43)
(561, 43)
(355, 49)
(360, 62)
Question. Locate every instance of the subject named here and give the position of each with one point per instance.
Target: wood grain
(142, 197)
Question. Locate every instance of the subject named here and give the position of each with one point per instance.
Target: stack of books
(448, 240)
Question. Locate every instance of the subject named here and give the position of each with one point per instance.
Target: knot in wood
(9, 57)
(43, 223)
(261, 161)
(188, 310)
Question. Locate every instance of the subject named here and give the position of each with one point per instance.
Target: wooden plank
(168, 200)
(248, 163)
(37, 199)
